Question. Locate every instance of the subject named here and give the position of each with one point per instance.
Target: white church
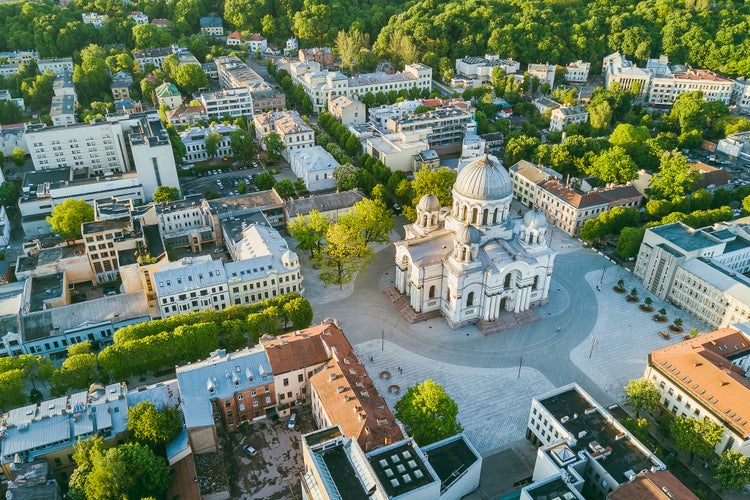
(472, 262)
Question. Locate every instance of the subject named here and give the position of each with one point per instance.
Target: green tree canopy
(630, 241)
(641, 394)
(274, 146)
(428, 413)
(614, 165)
(674, 178)
(345, 253)
(154, 426)
(697, 437)
(346, 176)
(371, 218)
(79, 348)
(149, 35)
(520, 148)
(309, 231)
(243, 146)
(164, 194)
(299, 312)
(130, 470)
(190, 77)
(264, 181)
(9, 193)
(212, 143)
(67, 217)
(732, 470)
(17, 156)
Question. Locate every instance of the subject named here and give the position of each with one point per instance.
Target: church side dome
(429, 203)
(468, 235)
(534, 219)
(484, 179)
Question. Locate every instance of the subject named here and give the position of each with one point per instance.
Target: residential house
(57, 65)
(128, 106)
(160, 23)
(567, 115)
(168, 95)
(257, 43)
(63, 110)
(291, 128)
(543, 104)
(187, 116)
(121, 82)
(577, 72)
(315, 167)
(347, 110)
(234, 39)
(291, 46)
(95, 19)
(211, 25)
(154, 57)
(194, 140)
(139, 17)
(545, 73)
(321, 55)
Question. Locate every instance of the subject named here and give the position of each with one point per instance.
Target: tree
(274, 146)
(732, 470)
(641, 394)
(154, 426)
(91, 77)
(346, 177)
(179, 150)
(674, 179)
(243, 146)
(697, 437)
(9, 194)
(600, 114)
(67, 217)
(18, 156)
(131, 470)
(212, 143)
(299, 312)
(371, 218)
(10, 113)
(190, 77)
(428, 413)
(309, 231)
(630, 242)
(242, 187)
(264, 181)
(285, 188)
(149, 35)
(345, 253)
(348, 46)
(79, 348)
(520, 148)
(77, 372)
(11, 389)
(614, 165)
(165, 194)
(438, 182)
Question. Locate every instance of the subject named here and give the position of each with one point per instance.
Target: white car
(292, 421)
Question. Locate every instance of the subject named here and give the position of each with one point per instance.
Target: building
(235, 387)
(545, 73)
(704, 378)
(472, 263)
(428, 158)
(700, 270)
(139, 17)
(209, 68)
(234, 39)
(527, 179)
(569, 209)
(337, 467)
(322, 86)
(34, 481)
(331, 205)
(185, 223)
(257, 43)
(735, 145)
(187, 116)
(567, 115)
(63, 85)
(191, 284)
(168, 95)
(63, 110)
(49, 430)
(617, 68)
(228, 102)
(321, 55)
(57, 65)
(577, 72)
(121, 82)
(154, 57)
(397, 150)
(291, 128)
(211, 25)
(44, 261)
(194, 140)
(582, 450)
(480, 68)
(347, 110)
(444, 126)
(543, 104)
(128, 106)
(315, 166)
(233, 74)
(95, 19)
(267, 202)
(380, 115)
(160, 23)
(20, 56)
(266, 100)
(291, 46)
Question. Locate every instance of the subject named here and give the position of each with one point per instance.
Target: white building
(735, 145)
(185, 223)
(95, 19)
(315, 166)
(211, 25)
(234, 39)
(582, 450)
(153, 56)
(57, 65)
(139, 17)
(191, 284)
(567, 115)
(397, 150)
(233, 102)
(347, 110)
(168, 94)
(443, 126)
(63, 110)
(257, 43)
(545, 73)
(702, 378)
(20, 56)
(233, 74)
(480, 68)
(291, 46)
(322, 86)
(577, 72)
(194, 140)
(380, 115)
(63, 84)
(292, 129)
(527, 179)
(470, 263)
(741, 94)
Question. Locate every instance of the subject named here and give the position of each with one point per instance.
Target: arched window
(474, 215)
(485, 213)
(424, 220)
(448, 295)
(470, 299)
(536, 283)
(432, 292)
(463, 253)
(507, 280)
(494, 217)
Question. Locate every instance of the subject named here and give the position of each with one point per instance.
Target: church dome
(468, 235)
(534, 219)
(429, 203)
(484, 179)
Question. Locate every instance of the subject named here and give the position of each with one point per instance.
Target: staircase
(507, 321)
(402, 305)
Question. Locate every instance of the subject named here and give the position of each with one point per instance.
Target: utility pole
(520, 363)
(382, 339)
(593, 344)
(604, 269)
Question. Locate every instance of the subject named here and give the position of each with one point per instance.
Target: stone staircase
(507, 321)
(401, 304)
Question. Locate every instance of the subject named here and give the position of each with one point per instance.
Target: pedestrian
(558, 328)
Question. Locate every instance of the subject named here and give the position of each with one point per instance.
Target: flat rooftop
(45, 288)
(684, 236)
(556, 488)
(343, 474)
(450, 460)
(400, 469)
(591, 429)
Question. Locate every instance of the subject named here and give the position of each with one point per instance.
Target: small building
(95, 19)
(257, 43)
(57, 65)
(545, 73)
(428, 158)
(564, 116)
(291, 128)
(211, 25)
(321, 55)
(266, 100)
(543, 104)
(128, 106)
(63, 110)
(315, 166)
(347, 110)
(331, 205)
(160, 23)
(396, 150)
(234, 39)
(139, 17)
(187, 116)
(167, 94)
(63, 84)
(291, 46)
(577, 72)
(194, 140)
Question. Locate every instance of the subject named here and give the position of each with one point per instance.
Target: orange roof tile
(701, 368)
(297, 350)
(653, 486)
(235, 35)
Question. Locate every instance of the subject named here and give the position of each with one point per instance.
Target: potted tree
(661, 316)
(691, 334)
(619, 287)
(647, 305)
(676, 325)
(633, 296)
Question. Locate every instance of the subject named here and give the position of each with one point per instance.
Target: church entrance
(503, 302)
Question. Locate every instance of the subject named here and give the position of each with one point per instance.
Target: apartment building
(321, 55)
(120, 87)
(185, 223)
(567, 115)
(444, 126)
(322, 86)
(347, 110)
(397, 150)
(95, 19)
(527, 179)
(704, 378)
(480, 68)
(569, 209)
(234, 387)
(265, 100)
(20, 56)
(211, 25)
(191, 284)
(234, 74)
(154, 57)
(380, 115)
(699, 270)
(582, 450)
(292, 129)
(337, 467)
(63, 85)
(63, 110)
(57, 65)
(194, 140)
(577, 72)
(545, 73)
(268, 202)
(257, 43)
(315, 166)
(187, 116)
(168, 95)
(228, 102)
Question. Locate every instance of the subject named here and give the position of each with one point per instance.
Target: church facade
(471, 261)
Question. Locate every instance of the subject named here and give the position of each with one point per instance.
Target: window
(300, 377)
(432, 292)
(470, 299)
(268, 399)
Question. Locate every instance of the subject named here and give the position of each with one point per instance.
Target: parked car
(292, 421)
(249, 450)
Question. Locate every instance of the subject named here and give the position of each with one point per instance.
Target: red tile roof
(235, 35)
(653, 486)
(296, 350)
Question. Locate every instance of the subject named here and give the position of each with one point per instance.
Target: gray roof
(189, 275)
(323, 203)
(220, 376)
(484, 179)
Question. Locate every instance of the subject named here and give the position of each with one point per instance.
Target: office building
(194, 140)
(234, 74)
(228, 102)
(315, 166)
